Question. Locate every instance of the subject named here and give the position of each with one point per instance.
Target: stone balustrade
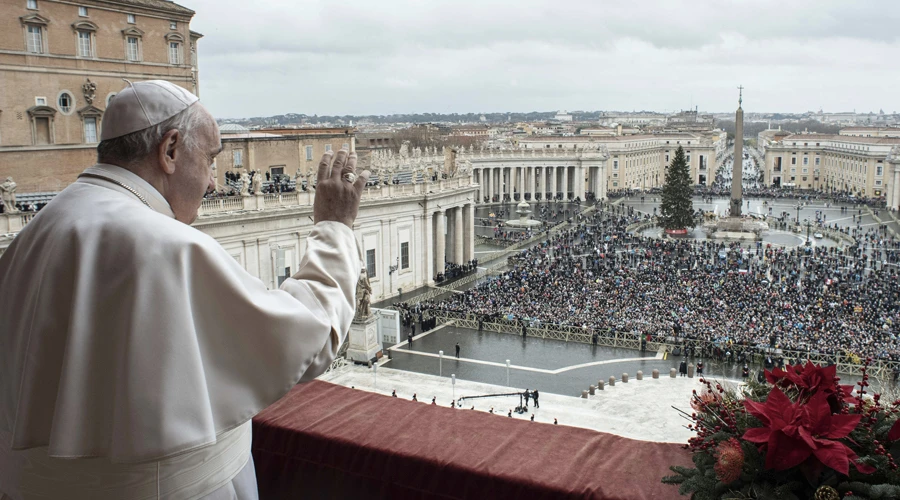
(13, 223)
(372, 194)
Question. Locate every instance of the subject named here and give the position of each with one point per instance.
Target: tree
(677, 211)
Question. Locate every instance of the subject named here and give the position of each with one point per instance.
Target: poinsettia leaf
(833, 454)
(757, 434)
(828, 373)
(775, 375)
(861, 467)
(894, 433)
(842, 426)
(807, 437)
(785, 452)
(817, 413)
(758, 410)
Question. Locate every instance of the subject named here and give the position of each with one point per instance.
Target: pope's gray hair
(129, 149)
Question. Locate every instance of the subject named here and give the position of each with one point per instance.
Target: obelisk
(737, 167)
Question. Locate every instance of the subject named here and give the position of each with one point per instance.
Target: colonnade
(538, 182)
(453, 236)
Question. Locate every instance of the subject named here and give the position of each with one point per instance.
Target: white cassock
(134, 350)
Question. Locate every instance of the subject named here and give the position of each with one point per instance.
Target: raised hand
(339, 188)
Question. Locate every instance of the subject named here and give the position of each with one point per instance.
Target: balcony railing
(305, 198)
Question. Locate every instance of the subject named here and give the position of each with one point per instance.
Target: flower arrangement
(800, 435)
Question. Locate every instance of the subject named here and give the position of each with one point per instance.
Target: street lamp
(440, 363)
(808, 224)
(798, 212)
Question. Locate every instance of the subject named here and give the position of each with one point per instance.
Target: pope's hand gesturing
(338, 188)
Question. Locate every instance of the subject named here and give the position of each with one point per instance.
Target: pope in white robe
(134, 350)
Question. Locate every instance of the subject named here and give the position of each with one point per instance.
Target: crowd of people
(738, 299)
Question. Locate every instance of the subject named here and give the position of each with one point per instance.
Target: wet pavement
(547, 365)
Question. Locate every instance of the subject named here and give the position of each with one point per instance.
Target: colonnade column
(521, 183)
(565, 183)
(468, 231)
(552, 182)
(428, 253)
(895, 203)
(458, 236)
(531, 184)
(489, 182)
(579, 177)
(439, 242)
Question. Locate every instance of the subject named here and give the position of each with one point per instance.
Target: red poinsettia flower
(811, 379)
(792, 433)
(894, 433)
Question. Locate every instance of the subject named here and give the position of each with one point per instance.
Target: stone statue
(363, 296)
(417, 152)
(215, 173)
(404, 149)
(89, 89)
(8, 195)
(312, 180)
(245, 183)
(257, 183)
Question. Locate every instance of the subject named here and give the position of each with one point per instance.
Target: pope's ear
(168, 150)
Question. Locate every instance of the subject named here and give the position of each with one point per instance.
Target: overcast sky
(260, 58)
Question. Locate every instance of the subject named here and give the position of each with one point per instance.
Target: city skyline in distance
(277, 57)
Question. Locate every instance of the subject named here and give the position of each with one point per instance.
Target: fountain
(524, 211)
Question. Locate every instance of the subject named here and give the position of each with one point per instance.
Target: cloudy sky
(261, 58)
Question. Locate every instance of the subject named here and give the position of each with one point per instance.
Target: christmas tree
(677, 211)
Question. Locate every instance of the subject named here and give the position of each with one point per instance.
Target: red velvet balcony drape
(327, 441)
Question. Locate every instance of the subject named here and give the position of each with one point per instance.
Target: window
(84, 44)
(688, 159)
(615, 164)
(806, 161)
(404, 255)
(35, 39)
(173, 25)
(805, 170)
(174, 53)
(345, 147)
(130, 18)
(667, 158)
(309, 153)
(90, 130)
(82, 11)
(64, 102)
(132, 48)
(793, 161)
(818, 161)
(32, 4)
(879, 170)
(283, 260)
(370, 263)
(238, 157)
(40, 101)
(328, 147)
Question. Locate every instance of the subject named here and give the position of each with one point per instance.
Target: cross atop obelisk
(736, 169)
